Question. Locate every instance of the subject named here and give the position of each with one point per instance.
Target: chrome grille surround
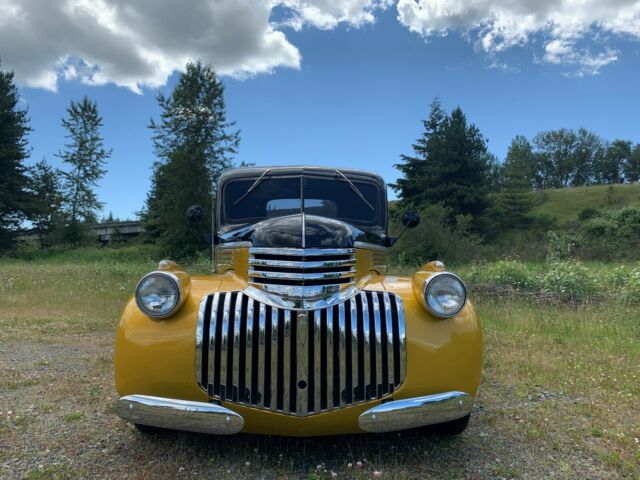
(300, 362)
(302, 276)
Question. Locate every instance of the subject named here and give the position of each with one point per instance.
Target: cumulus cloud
(139, 43)
(327, 14)
(562, 24)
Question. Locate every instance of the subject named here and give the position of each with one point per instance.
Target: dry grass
(559, 397)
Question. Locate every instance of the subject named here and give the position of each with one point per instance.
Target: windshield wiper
(355, 190)
(254, 186)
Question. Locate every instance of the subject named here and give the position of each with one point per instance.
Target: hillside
(565, 204)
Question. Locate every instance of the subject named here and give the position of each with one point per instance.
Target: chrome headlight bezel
(174, 281)
(429, 283)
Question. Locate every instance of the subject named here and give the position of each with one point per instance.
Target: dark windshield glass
(280, 196)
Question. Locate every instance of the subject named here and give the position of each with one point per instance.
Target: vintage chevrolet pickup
(299, 331)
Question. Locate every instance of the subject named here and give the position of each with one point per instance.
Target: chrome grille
(300, 362)
(301, 273)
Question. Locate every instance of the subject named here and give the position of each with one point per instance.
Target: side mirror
(410, 220)
(195, 214)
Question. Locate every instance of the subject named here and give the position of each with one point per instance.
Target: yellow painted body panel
(157, 357)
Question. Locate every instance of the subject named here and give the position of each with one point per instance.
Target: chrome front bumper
(179, 414)
(215, 419)
(416, 412)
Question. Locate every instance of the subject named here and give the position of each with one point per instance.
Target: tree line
(450, 170)
(193, 142)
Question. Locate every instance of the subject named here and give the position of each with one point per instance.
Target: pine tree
(47, 199)
(86, 156)
(450, 166)
(194, 145)
(15, 201)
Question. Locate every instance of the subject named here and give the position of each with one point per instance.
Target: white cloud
(327, 14)
(140, 43)
(137, 44)
(562, 24)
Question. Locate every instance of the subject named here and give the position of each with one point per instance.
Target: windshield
(279, 196)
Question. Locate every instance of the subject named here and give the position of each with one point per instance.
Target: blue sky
(357, 99)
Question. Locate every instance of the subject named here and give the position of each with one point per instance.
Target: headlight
(158, 294)
(444, 294)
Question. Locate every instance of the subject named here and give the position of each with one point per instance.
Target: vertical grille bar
(213, 320)
(317, 348)
(402, 338)
(377, 371)
(342, 365)
(262, 341)
(329, 358)
(248, 349)
(234, 384)
(354, 349)
(300, 362)
(273, 397)
(387, 344)
(224, 347)
(366, 334)
(304, 352)
(288, 369)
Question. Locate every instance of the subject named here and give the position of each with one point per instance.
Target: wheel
(453, 427)
(148, 429)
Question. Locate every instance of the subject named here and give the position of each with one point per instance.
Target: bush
(504, 272)
(570, 279)
(438, 237)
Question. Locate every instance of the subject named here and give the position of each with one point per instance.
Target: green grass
(559, 396)
(565, 204)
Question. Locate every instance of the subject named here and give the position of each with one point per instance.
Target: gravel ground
(57, 401)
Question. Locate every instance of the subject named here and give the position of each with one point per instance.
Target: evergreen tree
(86, 156)
(512, 205)
(194, 145)
(47, 199)
(15, 201)
(450, 165)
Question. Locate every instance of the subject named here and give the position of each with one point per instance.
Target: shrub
(569, 278)
(504, 272)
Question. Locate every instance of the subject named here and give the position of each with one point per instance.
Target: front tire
(454, 427)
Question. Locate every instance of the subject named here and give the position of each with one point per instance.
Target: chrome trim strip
(255, 262)
(416, 412)
(367, 345)
(390, 340)
(301, 366)
(235, 377)
(224, 344)
(278, 301)
(402, 338)
(248, 385)
(262, 342)
(213, 320)
(355, 386)
(305, 252)
(342, 365)
(179, 414)
(317, 361)
(227, 245)
(286, 377)
(301, 276)
(378, 347)
(274, 360)
(329, 356)
(200, 336)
